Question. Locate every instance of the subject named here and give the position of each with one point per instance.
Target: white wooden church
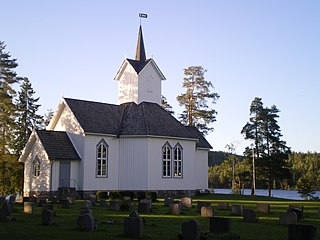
(136, 145)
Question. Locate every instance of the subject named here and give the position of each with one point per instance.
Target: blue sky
(269, 49)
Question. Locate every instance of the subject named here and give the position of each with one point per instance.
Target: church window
(166, 161)
(36, 167)
(177, 161)
(102, 159)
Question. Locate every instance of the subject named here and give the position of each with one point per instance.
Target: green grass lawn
(159, 224)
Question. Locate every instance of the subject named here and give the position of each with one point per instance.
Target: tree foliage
(8, 78)
(27, 117)
(270, 151)
(197, 100)
(165, 105)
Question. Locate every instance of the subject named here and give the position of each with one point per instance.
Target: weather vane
(142, 15)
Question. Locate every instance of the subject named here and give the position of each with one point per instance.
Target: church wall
(133, 163)
(149, 85)
(128, 85)
(67, 122)
(36, 183)
(89, 180)
(202, 169)
(155, 179)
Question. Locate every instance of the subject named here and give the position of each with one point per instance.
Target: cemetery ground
(159, 224)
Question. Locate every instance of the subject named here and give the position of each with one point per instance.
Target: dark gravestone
(237, 210)
(288, 218)
(93, 199)
(207, 211)
(223, 206)
(28, 207)
(220, 225)
(263, 208)
(168, 201)
(85, 222)
(5, 212)
(87, 204)
(143, 207)
(191, 230)
(175, 208)
(302, 232)
(148, 201)
(202, 204)
(114, 205)
(103, 203)
(84, 211)
(186, 202)
(47, 217)
(299, 213)
(249, 215)
(133, 227)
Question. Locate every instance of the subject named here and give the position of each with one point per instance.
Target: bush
(102, 195)
(141, 195)
(152, 195)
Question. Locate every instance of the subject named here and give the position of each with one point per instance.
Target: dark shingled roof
(138, 65)
(203, 143)
(57, 145)
(130, 119)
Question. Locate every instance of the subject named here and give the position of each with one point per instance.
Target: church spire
(140, 51)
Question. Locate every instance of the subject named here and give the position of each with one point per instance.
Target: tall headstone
(28, 207)
(47, 217)
(186, 202)
(298, 211)
(133, 227)
(302, 231)
(85, 222)
(220, 225)
(191, 230)
(175, 208)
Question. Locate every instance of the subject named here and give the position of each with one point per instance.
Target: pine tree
(165, 105)
(196, 100)
(47, 118)
(27, 117)
(8, 78)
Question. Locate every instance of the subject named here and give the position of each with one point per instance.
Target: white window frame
(166, 160)
(102, 159)
(177, 161)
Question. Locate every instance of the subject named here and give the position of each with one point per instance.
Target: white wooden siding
(202, 169)
(133, 163)
(128, 85)
(88, 165)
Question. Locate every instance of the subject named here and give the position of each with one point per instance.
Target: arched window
(36, 167)
(102, 159)
(166, 160)
(177, 161)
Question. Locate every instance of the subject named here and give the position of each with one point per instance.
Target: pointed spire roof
(140, 51)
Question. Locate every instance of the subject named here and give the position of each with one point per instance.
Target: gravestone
(47, 217)
(223, 206)
(5, 212)
(263, 208)
(249, 215)
(168, 201)
(202, 204)
(220, 225)
(237, 210)
(207, 211)
(103, 203)
(299, 213)
(133, 227)
(114, 205)
(191, 230)
(93, 199)
(186, 202)
(302, 231)
(85, 222)
(28, 207)
(143, 207)
(299, 206)
(148, 201)
(288, 218)
(175, 208)
(84, 211)
(87, 204)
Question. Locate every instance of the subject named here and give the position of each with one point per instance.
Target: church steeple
(140, 51)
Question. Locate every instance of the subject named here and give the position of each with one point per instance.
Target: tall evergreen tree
(270, 151)
(8, 78)
(165, 105)
(197, 100)
(47, 118)
(27, 117)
